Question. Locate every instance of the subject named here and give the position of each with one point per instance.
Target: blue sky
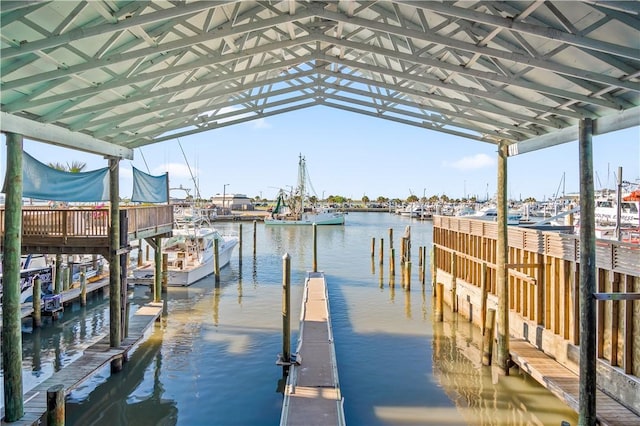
(353, 155)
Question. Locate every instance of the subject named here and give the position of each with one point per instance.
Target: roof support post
(115, 316)
(502, 281)
(11, 322)
(587, 380)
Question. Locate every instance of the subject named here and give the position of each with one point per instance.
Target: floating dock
(312, 394)
(93, 359)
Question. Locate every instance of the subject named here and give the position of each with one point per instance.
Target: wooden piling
(240, 245)
(65, 278)
(407, 275)
(403, 250)
(373, 247)
(424, 265)
(502, 252)
(434, 270)
(315, 247)
(390, 238)
(83, 286)
(55, 405)
(140, 253)
(255, 239)
(286, 308)
(454, 279)
(57, 287)
(11, 319)
(37, 303)
(487, 339)
(392, 262)
(439, 308)
(158, 262)
(115, 290)
(216, 259)
(147, 248)
(381, 251)
(483, 295)
(587, 376)
(165, 273)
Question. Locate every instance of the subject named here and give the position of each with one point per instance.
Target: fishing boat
(190, 252)
(32, 267)
(291, 210)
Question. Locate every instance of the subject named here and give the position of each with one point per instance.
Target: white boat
(33, 267)
(490, 213)
(606, 210)
(190, 253)
(291, 210)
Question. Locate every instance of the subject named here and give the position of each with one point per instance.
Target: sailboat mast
(301, 182)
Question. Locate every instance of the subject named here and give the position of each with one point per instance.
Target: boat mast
(301, 182)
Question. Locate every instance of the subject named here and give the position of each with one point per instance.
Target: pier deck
(564, 384)
(94, 359)
(312, 395)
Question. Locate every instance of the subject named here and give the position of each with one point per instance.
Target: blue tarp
(46, 183)
(148, 188)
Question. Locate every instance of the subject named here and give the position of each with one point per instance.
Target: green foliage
(73, 167)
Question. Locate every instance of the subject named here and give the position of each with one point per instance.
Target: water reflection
(480, 396)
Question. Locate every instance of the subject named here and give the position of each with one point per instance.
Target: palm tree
(73, 167)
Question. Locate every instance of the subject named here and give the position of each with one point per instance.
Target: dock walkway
(312, 395)
(564, 384)
(93, 359)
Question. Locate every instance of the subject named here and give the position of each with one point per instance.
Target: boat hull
(187, 275)
(307, 219)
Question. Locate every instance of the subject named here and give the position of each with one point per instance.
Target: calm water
(211, 361)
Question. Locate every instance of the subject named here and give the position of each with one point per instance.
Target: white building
(232, 201)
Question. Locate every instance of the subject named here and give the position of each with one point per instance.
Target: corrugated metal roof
(108, 76)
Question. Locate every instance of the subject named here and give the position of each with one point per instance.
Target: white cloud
(176, 170)
(261, 123)
(478, 161)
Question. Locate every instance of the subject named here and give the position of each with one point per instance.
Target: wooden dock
(312, 394)
(94, 359)
(564, 384)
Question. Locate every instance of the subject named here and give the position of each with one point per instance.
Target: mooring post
(390, 238)
(483, 295)
(140, 253)
(83, 286)
(165, 273)
(240, 245)
(454, 279)
(407, 274)
(115, 299)
(55, 405)
(37, 303)
(424, 265)
(57, 288)
(392, 262)
(439, 308)
(11, 319)
(147, 248)
(216, 259)
(315, 247)
(502, 253)
(255, 227)
(587, 376)
(487, 339)
(65, 277)
(373, 247)
(286, 308)
(158, 267)
(434, 269)
(381, 261)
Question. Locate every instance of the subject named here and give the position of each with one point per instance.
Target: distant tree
(382, 199)
(313, 199)
(529, 200)
(412, 198)
(365, 199)
(73, 167)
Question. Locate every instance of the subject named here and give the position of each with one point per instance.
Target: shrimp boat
(291, 210)
(190, 253)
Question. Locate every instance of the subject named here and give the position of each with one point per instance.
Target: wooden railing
(543, 275)
(42, 223)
